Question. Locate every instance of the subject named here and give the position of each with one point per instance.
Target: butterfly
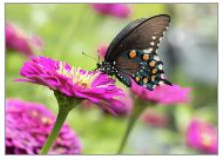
(133, 53)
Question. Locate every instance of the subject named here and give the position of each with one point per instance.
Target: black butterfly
(133, 53)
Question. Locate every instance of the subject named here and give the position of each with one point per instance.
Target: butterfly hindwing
(145, 68)
(124, 78)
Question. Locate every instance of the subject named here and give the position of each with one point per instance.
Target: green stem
(66, 104)
(137, 110)
(172, 119)
(62, 115)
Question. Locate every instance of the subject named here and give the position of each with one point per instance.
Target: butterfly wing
(115, 44)
(138, 35)
(146, 69)
(134, 51)
(125, 68)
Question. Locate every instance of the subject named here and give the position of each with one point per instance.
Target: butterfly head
(106, 67)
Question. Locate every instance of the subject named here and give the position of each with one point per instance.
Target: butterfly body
(133, 53)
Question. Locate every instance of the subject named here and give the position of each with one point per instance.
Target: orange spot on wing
(153, 78)
(154, 71)
(145, 57)
(152, 63)
(132, 54)
(137, 79)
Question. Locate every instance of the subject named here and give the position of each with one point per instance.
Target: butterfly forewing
(140, 34)
(117, 40)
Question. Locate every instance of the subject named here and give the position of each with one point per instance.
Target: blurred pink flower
(116, 10)
(127, 100)
(202, 136)
(94, 86)
(28, 126)
(17, 39)
(154, 118)
(163, 94)
(123, 109)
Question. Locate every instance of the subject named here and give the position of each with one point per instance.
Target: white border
(108, 1)
(2, 80)
(98, 157)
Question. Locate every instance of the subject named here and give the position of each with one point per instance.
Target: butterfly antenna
(99, 58)
(88, 56)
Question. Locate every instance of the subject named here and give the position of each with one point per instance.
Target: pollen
(145, 57)
(77, 76)
(132, 54)
(84, 79)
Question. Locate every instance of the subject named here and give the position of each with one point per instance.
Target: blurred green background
(189, 52)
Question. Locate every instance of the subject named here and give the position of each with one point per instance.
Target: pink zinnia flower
(122, 109)
(17, 39)
(116, 10)
(28, 126)
(125, 108)
(154, 118)
(163, 94)
(95, 86)
(202, 136)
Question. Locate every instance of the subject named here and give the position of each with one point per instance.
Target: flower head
(125, 108)
(154, 118)
(116, 10)
(163, 94)
(202, 136)
(18, 40)
(28, 126)
(95, 86)
(127, 100)
(122, 109)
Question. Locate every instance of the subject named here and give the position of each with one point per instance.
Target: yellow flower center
(46, 120)
(206, 139)
(83, 79)
(20, 33)
(43, 119)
